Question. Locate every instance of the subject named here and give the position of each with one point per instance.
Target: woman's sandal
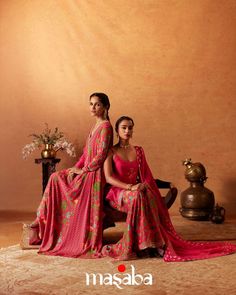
(151, 252)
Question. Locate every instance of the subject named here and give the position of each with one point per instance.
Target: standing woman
(69, 218)
(148, 224)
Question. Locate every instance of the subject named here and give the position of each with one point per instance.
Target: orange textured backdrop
(171, 65)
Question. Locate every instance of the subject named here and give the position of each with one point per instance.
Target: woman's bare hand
(72, 171)
(138, 186)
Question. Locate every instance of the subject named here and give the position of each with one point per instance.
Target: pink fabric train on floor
(148, 221)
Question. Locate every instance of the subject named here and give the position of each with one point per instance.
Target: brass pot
(197, 201)
(48, 152)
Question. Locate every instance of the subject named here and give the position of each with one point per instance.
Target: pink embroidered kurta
(71, 212)
(148, 223)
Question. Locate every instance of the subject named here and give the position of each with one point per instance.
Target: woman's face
(96, 107)
(125, 129)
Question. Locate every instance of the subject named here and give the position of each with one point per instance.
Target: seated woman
(148, 225)
(69, 218)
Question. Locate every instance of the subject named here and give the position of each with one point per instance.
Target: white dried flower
(64, 144)
(56, 139)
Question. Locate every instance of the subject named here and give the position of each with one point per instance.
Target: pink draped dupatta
(178, 249)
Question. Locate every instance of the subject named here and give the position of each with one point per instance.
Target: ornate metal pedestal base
(48, 167)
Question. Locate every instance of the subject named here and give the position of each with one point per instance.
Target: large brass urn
(197, 201)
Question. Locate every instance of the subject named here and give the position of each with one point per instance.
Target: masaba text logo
(119, 279)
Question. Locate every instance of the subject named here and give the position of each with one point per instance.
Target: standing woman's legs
(34, 238)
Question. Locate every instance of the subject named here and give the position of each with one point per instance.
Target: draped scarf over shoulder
(178, 249)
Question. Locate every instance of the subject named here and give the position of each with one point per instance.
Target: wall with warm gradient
(169, 64)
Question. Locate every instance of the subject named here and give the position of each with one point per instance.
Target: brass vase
(197, 201)
(48, 152)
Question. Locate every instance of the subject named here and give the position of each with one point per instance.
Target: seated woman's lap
(125, 200)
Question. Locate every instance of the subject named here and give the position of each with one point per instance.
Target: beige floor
(11, 228)
(23, 272)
